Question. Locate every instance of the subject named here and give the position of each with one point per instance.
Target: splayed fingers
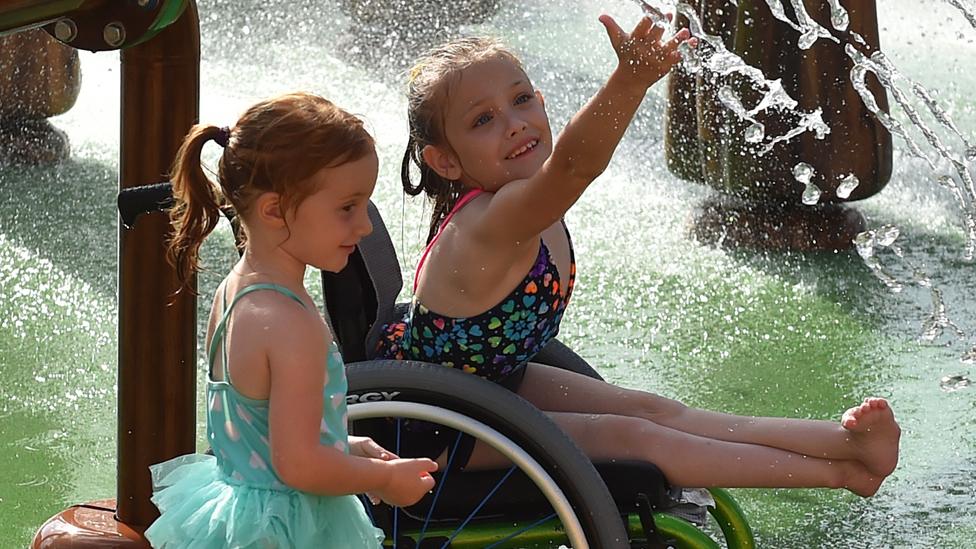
(641, 52)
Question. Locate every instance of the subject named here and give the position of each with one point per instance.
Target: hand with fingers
(409, 480)
(367, 447)
(641, 54)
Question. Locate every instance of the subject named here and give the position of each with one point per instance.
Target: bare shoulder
(277, 320)
(496, 218)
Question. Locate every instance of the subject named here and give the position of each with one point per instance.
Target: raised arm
(584, 148)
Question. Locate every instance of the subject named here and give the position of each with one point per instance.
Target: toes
(877, 403)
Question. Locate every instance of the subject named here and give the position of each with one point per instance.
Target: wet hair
(428, 90)
(276, 146)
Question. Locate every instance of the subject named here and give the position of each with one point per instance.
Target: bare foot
(874, 429)
(859, 480)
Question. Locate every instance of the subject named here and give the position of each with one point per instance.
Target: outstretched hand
(641, 53)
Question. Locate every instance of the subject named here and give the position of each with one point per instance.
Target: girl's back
(242, 502)
(238, 424)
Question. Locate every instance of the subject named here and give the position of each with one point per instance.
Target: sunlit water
(745, 332)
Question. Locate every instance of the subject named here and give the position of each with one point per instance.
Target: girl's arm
(297, 360)
(584, 148)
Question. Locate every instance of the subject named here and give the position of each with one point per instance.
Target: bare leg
(869, 433)
(689, 460)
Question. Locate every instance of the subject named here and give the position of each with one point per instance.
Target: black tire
(511, 416)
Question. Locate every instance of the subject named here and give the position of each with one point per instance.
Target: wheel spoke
(440, 486)
(479, 506)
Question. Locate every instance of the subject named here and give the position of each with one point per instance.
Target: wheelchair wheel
(552, 485)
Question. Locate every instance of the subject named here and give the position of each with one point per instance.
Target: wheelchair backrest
(361, 298)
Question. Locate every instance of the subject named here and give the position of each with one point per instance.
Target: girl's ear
(267, 207)
(442, 162)
(542, 98)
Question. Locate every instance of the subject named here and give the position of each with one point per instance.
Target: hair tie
(223, 137)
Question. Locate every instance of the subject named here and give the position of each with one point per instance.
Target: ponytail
(197, 204)
(259, 156)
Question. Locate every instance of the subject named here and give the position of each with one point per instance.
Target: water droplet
(847, 186)
(969, 357)
(864, 242)
(811, 194)
(887, 235)
(803, 172)
(689, 58)
(755, 133)
(954, 383)
(838, 16)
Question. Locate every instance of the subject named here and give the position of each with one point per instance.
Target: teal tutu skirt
(200, 509)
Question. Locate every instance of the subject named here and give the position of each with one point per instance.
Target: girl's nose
(365, 225)
(516, 125)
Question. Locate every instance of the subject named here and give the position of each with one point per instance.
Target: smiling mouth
(523, 149)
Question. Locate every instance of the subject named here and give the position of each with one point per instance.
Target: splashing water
(809, 122)
(756, 131)
(722, 62)
(865, 244)
(969, 357)
(887, 74)
(690, 62)
(938, 321)
(838, 16)
(810, 30)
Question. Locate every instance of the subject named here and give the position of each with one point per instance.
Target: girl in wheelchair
(499, 271)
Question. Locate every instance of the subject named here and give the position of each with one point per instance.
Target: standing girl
(298, 171)
(499, 270)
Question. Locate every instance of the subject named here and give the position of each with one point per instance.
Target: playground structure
(157, 343)
(39, 78)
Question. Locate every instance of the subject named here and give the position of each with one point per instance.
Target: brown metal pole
(157, 329)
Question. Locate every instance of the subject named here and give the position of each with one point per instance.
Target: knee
(657, 408)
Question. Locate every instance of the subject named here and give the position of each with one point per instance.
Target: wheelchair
(619, 504)
(551, 496)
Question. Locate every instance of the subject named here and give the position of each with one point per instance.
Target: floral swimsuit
(496, 343)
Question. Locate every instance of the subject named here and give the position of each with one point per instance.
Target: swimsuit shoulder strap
(220, 332)
(463, 201)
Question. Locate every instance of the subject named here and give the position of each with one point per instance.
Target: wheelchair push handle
(135, 201)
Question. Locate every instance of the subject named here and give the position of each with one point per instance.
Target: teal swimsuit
(234, 498)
